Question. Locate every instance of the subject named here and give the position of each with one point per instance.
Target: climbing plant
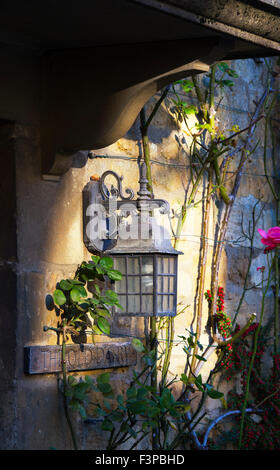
(77, 312)
(157, 407)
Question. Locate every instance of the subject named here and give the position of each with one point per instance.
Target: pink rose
(271, 238)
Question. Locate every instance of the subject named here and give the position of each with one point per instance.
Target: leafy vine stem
(149, 408)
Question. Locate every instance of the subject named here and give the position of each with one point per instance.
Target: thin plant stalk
(255, 345)
(249, 236)
(227, 213)
(65, 404)
(202, 267)
(268, 126)
(146, 154)
(276, 301)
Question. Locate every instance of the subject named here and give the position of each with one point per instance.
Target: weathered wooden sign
(47, 359)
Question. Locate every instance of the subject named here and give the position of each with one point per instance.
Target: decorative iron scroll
(114, 192)
(144, 200)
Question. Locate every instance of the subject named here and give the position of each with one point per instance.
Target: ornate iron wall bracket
(115, 198)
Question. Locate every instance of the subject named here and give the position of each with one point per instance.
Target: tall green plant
(77, 312)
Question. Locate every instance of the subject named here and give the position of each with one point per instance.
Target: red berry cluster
(224, 325)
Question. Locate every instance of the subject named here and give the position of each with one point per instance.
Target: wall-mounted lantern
(141, 249)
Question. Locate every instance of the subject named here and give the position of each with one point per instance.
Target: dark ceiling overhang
(81, 71)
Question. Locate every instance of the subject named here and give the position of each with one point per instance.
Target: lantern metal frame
(115, 202)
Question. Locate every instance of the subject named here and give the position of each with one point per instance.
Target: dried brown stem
(224, 225)
(202, 266)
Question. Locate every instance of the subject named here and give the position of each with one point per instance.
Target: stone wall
(50, 246)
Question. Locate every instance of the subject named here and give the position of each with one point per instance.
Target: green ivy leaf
(102, 312)
(59, 297)
(103, 378)
(82, 411)
(137, 407)
(71, 380)
(89, 380)
(166, 399)
(124, 427)
(190, 110)
(184, 378)
(107, 425)
(142, 393)
(117, 416)
(187, 85)
(213, 393)
(120, 401)
(153, 411)
(107, 404)
(232, 73)
(191, 342)
(114, 275)
(103, 325)
(77, 292)
(229, 83)
(97, 289)
(204, 126)
(182, 407)
(223, 66)
(131, 393)
(99, 270)
(96, 330)
(106, 263)
(198, 383)
(104, 388)
(76, 282)
(65, 284)
(138, 345)
(101, 412)
(111, 294)
(93, 301)
(200, 358)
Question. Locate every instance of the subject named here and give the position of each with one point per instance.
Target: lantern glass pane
(133, 284)
(171, 265)
(143, 291)
(133, 304)
(159, 303)
(171, 303)
(147, 304)
(121, 286)
(119, 264)
(147, 265)
(166, 265)
(171, 284)
(147, 284)
(163, 306)
(133, 265)
(160, 265)
(166, 285)
(165, 303)
(122, 301)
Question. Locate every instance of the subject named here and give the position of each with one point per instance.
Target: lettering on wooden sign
(47, 359)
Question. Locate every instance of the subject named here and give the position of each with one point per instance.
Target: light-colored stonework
(50, 246)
